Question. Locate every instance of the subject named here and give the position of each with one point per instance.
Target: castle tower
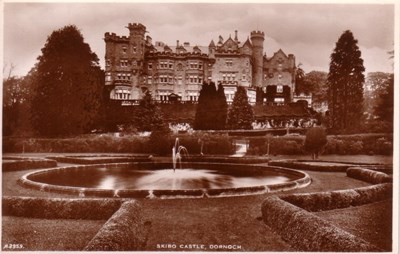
(257, 40)
(136, 50)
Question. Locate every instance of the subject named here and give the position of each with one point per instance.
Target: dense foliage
(68, 86)
(385, 103)
(240, 116)
(345, 84)
(315, 141)
(148, 116)
(211, 109)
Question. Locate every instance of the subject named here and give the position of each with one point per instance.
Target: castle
(134, 65)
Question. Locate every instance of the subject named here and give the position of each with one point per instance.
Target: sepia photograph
(200, 127)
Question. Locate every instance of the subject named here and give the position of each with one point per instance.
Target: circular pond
(160, 180)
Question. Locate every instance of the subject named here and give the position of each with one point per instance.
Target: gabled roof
(247, 43)
(212, 44)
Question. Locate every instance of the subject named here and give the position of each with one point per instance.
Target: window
(150, 66)
(243, 77)
(108, 63)
(163, 64)
(200, 65)
(124, 49)
(229, 62)
(279, 89)
(149, 80)
(124, 63)
(163, 79)
(193, 65)
(279, 100)
(171, 65)
(179, 80)
(279, 76)
(108, 76)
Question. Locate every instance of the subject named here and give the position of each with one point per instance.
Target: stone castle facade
(134, 65)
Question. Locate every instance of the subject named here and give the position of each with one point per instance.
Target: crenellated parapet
(112, 37)
(257, 35)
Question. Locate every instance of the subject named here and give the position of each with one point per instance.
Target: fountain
(176, 154)
(154, 180)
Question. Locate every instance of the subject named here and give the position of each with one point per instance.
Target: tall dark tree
(206, 108)
(240, 116)
(222, 108)
(345, 84)
(148, 116)
(69, 83)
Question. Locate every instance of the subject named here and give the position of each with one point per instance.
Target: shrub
(367, 175)
(315, 141)
(307, 232)
(160, 142)
(124, 231)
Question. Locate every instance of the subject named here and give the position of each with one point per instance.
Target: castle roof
(189, 49)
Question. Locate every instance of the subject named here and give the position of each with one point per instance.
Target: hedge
(368, 175)
(60, 208)
(321, 201)
(337, 144)
(26, 163)
(99, 159)
(305, 231)
(303, 165)
(124, 231)
(213, 144)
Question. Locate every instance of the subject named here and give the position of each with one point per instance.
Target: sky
(309, 31)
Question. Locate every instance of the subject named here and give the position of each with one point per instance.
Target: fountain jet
(176, 154)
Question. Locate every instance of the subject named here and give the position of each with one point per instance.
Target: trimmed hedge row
(305, 231)
(98, 159)
(302, 165)
(368, 175)
(27, 163)
(124, 231)
(321, 201)
(60, 208)
(212, 144)
(337, 144)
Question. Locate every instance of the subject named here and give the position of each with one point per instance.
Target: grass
(371, 222)
(49, 235)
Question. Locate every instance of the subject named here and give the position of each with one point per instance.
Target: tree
(301, 85)
(385, 105)
(222, 109)
(148, 116)
(376, 84)
(207, 108)
(316, 81)
(69, 83)
(315, 141)
(16, 101)
(241, 114)
(345, 84)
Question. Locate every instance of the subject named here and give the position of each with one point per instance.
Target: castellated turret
(257, 40)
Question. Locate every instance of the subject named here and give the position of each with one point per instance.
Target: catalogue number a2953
(13, 246)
